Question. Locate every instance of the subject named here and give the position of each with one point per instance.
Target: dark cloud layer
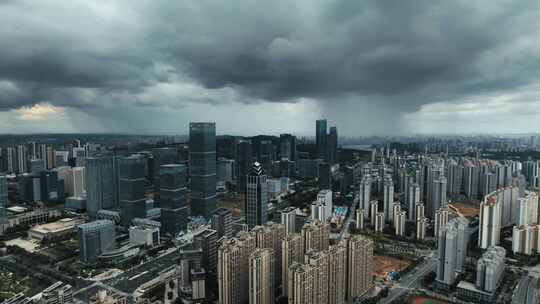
(165, 53)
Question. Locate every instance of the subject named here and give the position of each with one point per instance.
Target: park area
(386, 264)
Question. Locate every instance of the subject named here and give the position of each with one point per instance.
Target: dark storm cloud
(407, 53)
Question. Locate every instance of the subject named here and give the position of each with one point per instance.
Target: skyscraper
(293, 252)
(490, 222)
(332, 145)
(413, 197)
(243, 162)
(364, 195)
(222, 222)
(321, 138)
(325, 176)
(172, 196)
(373, 210)
(271, 236)
(421, 225)
(256, 197)
(288, 218)
(490, 269)
(316, 236)
(359, 266)
(302, 284)
(452, 250)
(388, 197)
(360, 217)
(399, 223)
(233, 268)
(379, 222)
(161, 156)
(261, 276)
(101, 185)
(95, 238)
(132, 189)
(265, 154)
(202, 145)
(3, 199)
(441, 218)
(320, 260)
(438, 196)
(287, 146)
(337, 273)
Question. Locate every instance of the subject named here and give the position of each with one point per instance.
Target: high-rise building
(470, 180)
(172, 197)
(271, 236)
(261, 276)
(22, 159)
(225, 170)
(388, 197)
(490, 222)
(243, 162)
(316, 236)
(421, 225)
(359, 266)
(101, 185)
(332, 145)
(490, 269)
(161, 156)
(202, 167)
(528, 209)
(3, 200)
(337, 273)
(287, 146)
(360, 215)
(379, 222)
(525, 239)
(321, 209)
(531, 170)
(321, 138)
(78, 181)
(222, 222)
(256, 197)
(95, 238)
(325, 176)
(320, 260)
(413, 197)
(131, 182)
(396, 208)
(364, 194)
(207, 240)
(288, 218)
(265, 154)
(451, 250)
(373, 210)
(399, 223)
(441, 218)
(438, 196)
(233, 268)
(292, 252)
(302, 284)
(419, 211)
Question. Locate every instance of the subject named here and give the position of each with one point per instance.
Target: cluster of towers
(303, 266)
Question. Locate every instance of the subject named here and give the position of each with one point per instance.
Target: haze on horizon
(370, 67)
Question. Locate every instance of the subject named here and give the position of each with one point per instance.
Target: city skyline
(63, 69)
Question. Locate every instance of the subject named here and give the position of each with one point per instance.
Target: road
(352, 210)
(412, 279)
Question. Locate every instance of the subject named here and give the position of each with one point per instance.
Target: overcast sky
(371, 67)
